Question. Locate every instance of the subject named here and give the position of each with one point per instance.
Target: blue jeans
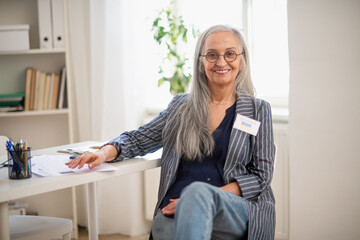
(204, 212)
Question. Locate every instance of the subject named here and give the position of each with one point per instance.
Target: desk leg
(4, 221)
(92, 211)
(75, 233)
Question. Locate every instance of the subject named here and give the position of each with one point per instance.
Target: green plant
(169, 32)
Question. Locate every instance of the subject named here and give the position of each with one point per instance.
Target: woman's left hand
(170, 208)
(233, 188)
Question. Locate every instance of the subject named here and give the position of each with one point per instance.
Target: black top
(210, 168)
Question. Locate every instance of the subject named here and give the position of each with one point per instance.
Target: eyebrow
(231, 48)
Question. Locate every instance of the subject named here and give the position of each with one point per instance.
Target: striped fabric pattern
(249, 159)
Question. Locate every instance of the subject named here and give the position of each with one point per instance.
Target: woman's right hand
(94, 159)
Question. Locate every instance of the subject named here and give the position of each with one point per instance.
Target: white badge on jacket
(246, 124)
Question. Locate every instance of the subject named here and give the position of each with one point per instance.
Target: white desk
(14, 189)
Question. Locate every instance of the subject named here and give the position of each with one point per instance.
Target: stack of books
(44, 91)
(12, 102)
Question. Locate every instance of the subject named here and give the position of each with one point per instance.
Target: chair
(39, 228)
(3, 140)
(36, 227)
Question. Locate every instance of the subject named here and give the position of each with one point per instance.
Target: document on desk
(54, 165)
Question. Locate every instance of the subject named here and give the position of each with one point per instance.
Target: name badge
(246, 124)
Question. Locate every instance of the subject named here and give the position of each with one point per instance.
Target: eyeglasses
(229, 56)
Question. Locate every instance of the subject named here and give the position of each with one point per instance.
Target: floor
(83, 235)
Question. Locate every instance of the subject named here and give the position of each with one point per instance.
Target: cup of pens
(19, 161)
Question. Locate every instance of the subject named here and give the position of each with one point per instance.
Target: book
(12, 102)
(41, 91)
(47, 91)
(28, 89)
(11, 97)
(62, 89)
(11, 109)
(55, 92)
(32, 90)
(51, 90)
(36, 91)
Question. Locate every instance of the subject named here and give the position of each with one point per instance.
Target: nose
(221, 61)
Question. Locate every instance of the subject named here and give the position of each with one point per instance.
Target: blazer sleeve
(260, 168)
(146, 139)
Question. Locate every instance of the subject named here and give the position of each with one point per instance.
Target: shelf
(34, 113)
(33, 51)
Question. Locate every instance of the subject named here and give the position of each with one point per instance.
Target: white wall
(324, 46)
(107, 104)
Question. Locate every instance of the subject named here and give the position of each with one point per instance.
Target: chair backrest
(275, 159)
(3, 140)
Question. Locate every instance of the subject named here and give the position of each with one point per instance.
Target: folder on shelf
(57, 7)
(45, 28)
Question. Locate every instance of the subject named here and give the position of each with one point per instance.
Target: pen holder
(19, 164)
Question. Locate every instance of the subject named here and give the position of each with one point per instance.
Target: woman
(217, 163)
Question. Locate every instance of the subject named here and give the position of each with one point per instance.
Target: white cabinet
(44, 128)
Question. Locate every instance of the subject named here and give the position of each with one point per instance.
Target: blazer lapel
(237, 143)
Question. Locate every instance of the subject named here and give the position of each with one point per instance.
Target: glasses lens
(212, 57)
(230, 56)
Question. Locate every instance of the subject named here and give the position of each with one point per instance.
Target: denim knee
(197, 191)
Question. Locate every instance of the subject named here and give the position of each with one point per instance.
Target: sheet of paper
(54, 165)
(80, 150)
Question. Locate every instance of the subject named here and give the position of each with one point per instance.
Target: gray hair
(190, 128)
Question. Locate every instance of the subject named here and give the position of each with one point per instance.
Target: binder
(57, 8)
(45, 29)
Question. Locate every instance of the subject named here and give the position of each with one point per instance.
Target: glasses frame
(218, 56)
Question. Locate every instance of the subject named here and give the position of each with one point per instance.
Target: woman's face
(221, 73)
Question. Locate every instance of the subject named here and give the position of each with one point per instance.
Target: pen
(26, 166)
(15, 158)
(73, 156)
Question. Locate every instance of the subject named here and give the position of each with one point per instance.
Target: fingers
(80, 161)
(170, 208)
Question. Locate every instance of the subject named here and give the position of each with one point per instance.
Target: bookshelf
(41, 128)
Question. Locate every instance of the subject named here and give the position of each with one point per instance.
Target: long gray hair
(190, 132)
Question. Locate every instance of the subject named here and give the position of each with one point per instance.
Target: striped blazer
(249, 159)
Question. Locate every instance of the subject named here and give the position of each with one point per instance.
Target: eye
(212, 55)
(230, 54)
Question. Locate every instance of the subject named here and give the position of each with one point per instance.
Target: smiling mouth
(222, 71)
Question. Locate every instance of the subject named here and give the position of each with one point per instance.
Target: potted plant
(169, 32)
